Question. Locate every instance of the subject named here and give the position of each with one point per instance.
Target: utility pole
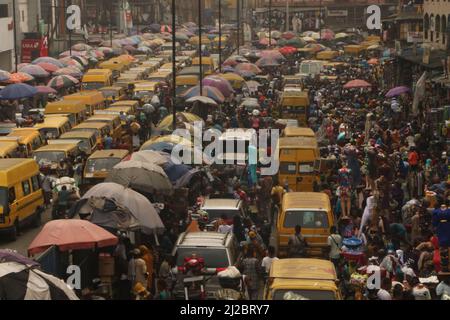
(220, 35)
(270, 23)
(200, 44)
(320, 20)
(110, 23)
(287, 15)
(16, 59)
(174, 65)
(238, 29)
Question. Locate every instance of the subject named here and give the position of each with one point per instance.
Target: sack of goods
(229, 278)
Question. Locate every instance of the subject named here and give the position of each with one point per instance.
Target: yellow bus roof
(87, 97)
(298, 132)
(52, 122)
(7, 146)
(65, 106)
(95, 72)
(113, 153)
(12, 171)
(102, 117)
(125, 103)
(77, 135)
(306, 200)
(303, 269)
(25, 135)
(150, 86)
(298, 143)
(187, 80)
(91, 125)
(58, 147)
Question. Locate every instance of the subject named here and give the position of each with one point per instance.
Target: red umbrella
(288, 50)
(357, 84)
(265, 42)
(48, 66)
(71, 235)
(288, 35)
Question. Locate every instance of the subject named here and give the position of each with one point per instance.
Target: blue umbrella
(17, 91)
(176, 171)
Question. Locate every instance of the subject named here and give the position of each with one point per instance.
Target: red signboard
(33, 48)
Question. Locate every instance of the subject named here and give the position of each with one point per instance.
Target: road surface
(26, 236)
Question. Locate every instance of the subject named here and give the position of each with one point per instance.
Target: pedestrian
(297, 244)
(251, 269)
(335, 244)
(62, 203)
(137, 269)
(268, 260)
(148, 257)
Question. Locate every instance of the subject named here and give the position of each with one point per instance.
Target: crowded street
(226, 153)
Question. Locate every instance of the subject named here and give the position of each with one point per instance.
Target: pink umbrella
(221, 84)
(71, 235)
(71, 71)
(248, 67)
(265, 42)
(272, 54)
(48, 66)
(21, 65)
(68, 61)
(357, 84)
(35, 71)
(45, 90)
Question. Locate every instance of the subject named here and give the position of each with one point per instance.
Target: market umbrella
(288, 35)
(341, 35)
(287, 50)
(45, 90)
(176, 171)
(68, 61)
(82, 60)
(155, 27)
(395, 91)
(17, 91)
(274, 54)
(316, 47)
(19, 77)
(248, 67)
(48, 66)
(247, 74)
(4, 75)
(227, 69)
(234, 60)
(69, 71)
(21, 65)
(139, 205)
(130, 49)
(235, 79)
(166, 28)
(253, 85)
(210, 92)
(267, 62)
(81, 47)
(165, 143)
(48, 60)
(8, 255)
(180, 117)
(65, 81)
(327, 34)
(73, 53)
(295, 42)
(202, 99)
(276, 34)
(71, 235)
(309, 40)
(144, 49)
(106, 50)
(19, 281)
(357, 84)
(265, 42)
(150, 156)
(140, 176)
(373, 61)
(221, 84)
(315, 35)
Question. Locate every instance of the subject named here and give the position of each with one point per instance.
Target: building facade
(436, 23)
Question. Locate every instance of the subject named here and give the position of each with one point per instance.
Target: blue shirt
(441, 221)
(108, 143)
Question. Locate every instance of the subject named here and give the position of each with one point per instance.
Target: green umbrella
(296, 42)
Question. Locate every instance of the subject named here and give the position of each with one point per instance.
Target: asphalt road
(26, 236)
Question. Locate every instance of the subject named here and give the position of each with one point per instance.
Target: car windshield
(84, 144)
(97, 165)
(49, 133)
(92, 85)
(306, 294)
(214, 257)
(214, 214)
(310, 219)
(46, 157)
(110, 93)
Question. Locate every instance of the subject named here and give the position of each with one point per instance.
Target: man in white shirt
(267, 261)
(224, 227)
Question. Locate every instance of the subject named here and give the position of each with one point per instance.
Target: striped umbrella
(19, 77)
(69, 71)
(273, 54)
(68, 61)
(59, 82)
(81, 47)
(267, 62)
(4, 75)
(21, 65)
(48, 66)
(48, 60)
(208, 91)
(35, 70)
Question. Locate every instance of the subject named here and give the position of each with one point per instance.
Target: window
(35, 183)
(26, 187)
(4, 11)
(306, 219)
(11, 195)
